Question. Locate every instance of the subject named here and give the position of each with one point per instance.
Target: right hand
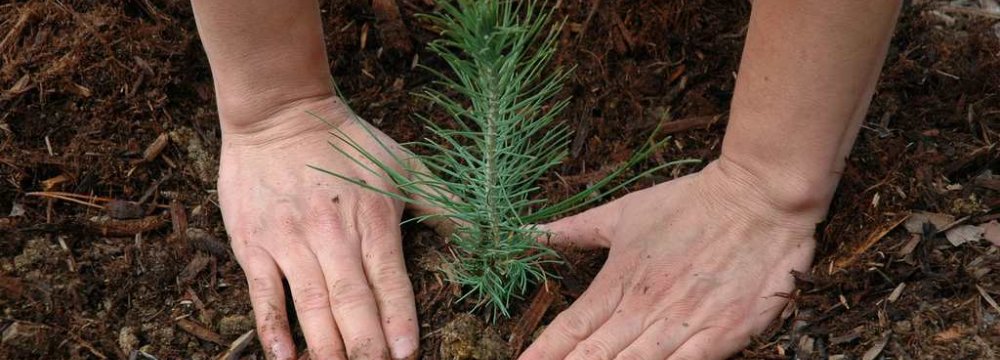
(338, 245)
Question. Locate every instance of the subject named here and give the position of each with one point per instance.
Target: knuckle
(310, 298)
(324, 216)
(349, 292)
(287, 222)
(630, 354)
(387, 273)
(373, 209)
(250, 256)
(575, 323)
(592, 349)
(262, 290)
(691, 353)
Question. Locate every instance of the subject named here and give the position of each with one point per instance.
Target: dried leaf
(915, 224)
(964, 233)
(949, 335)
(877, 348)
(991, 232)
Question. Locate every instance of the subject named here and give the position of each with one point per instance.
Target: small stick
(66, 196)
(529, 321)
(48, 145)
(676, 126)
(237, 347)
(199, 331)
(155, 148)
(15, 31)
(590, 16)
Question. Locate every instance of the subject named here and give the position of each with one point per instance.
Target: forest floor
(113, 101)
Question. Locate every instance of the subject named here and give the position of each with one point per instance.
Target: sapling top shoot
(483, 171)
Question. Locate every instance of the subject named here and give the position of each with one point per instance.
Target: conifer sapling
(484, 170)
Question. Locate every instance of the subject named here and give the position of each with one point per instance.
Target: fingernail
(403, 347)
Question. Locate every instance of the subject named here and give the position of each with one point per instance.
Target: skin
(694, 263)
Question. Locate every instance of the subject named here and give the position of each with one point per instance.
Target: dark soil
(86, 87)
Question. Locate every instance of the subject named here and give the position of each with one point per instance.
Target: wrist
(778, 196)
(248, 122)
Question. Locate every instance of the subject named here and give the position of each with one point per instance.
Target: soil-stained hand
(337, 245)
(694, 270)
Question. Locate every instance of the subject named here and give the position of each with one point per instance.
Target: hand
(337, 244)
(694, 269)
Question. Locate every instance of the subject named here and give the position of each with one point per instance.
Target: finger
(267, 296)
(708, 345)
(312, 302)
(383, 262)
(354, 308)
(588, 229)
(659, 340)
(423, 207)
(611, 338)
(578, 322)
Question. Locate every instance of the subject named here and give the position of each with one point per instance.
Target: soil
(113, 101)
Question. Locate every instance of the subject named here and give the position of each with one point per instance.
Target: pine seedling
(484, 170)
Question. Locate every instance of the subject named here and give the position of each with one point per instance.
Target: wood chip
(178, 218)
(877, 348)
(964, 233)
(991, 232)
(529, 321)
(106, 226)
(988, 298)
(195, 266)
(896, 292)
(203, 240)
(52, 184)
(915, 223)
(676, 126)
(237, 346)
(910, 245)
(198, 330)
(949, 335)
(872, 239)
(851, 336)
(156, 147)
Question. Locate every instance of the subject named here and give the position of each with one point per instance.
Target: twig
(529, 321)
(152, 189)
(89, 347)
(988, 298)
(48, 145)
(68, 197)
(873, 238)
(154, 149)
(237, 346)
(676, 126)
(594, 5)
(199, 331)
(15, 31)
(112, 227)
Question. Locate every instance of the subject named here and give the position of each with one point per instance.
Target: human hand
(336, 244)
(694, 269)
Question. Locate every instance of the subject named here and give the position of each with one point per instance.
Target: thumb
(589, 229)
(443, 225)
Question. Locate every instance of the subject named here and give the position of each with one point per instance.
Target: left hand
(694, 269)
